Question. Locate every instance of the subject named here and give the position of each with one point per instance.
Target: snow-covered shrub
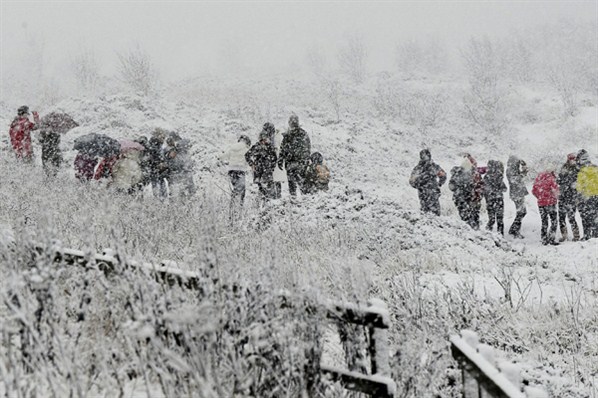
(137, 70)
(484, 102)
(352, 57)
(86, 70)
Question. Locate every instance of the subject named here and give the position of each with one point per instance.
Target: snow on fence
(374, 318)
(482, 376)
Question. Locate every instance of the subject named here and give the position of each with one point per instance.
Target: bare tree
(86, 70)
(352, 58)
(484, 102)
(137, 70)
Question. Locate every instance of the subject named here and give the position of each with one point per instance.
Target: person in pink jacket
(20, 133)
(546, 190)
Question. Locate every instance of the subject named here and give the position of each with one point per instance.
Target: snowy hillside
(366, 237)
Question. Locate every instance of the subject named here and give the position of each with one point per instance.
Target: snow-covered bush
(484, 102)
(353, 56)
(136, 69)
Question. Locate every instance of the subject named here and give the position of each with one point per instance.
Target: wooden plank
(490, 378)
(375, 386)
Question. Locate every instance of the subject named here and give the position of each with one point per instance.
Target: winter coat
(84, 166)
(317, 174)
(427, 177)
(126, 172)
(20, 136)
(157, 160)
(295, 149)
(494, 184)
(235, 156)
(516, 170)
(462, 184)
(587, 181)
(279, 175)
(262, 159)
(566, 179)
(545, 189)
(105, 168)
(50, 141)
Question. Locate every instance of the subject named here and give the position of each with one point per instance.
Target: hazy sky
(191, 37)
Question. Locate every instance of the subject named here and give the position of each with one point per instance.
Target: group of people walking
(559, 196)
(270, 156)
(163, 160)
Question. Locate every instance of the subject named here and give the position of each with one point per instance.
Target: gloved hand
(35, 116)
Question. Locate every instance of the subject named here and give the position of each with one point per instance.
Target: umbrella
(128, 146)
(97, 144)
(57, 122)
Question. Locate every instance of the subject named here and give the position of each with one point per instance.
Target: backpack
(322, 174)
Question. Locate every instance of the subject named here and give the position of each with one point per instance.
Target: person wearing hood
(295, 150)
(546, 190)
(20, 133)
(261, 157)
(237, 167)
(568, 197)
(587, 187)
(427, 177)
(494, 188)
(516, 171)
(461, 184)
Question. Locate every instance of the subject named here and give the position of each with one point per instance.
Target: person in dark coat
(516, 171)
(427, 177)
(51, 155)
(294, 155)
(462, 186)
(494, 188)
(317, 174)
(568, 197)
(261, 157)
(157, 163)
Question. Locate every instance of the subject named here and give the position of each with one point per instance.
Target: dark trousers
(521, 212)
(567, 212)
(296, 179)
(548, 212)
(266, 189)
(277, 190)
(237, 179)
(496, 213)
(588, 209)
(430, 203)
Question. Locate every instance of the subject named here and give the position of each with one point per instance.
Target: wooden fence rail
(482, 377)
(374, 318)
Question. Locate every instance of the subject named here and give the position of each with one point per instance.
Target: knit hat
(425, 154)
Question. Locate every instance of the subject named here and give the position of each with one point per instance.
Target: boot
(564, 235)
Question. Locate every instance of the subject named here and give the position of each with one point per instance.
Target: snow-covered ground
(365, 238)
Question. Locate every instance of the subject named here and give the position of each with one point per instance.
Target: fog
(188, 39)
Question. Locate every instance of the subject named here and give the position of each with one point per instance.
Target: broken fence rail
(374, 318)
(481, 376)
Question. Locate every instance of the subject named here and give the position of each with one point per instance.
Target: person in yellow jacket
(587, 187)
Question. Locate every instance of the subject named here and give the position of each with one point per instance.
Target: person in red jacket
(20, 133)
(546, 190)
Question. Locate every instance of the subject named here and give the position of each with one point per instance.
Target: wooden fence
(374, 319)
(482, 376)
